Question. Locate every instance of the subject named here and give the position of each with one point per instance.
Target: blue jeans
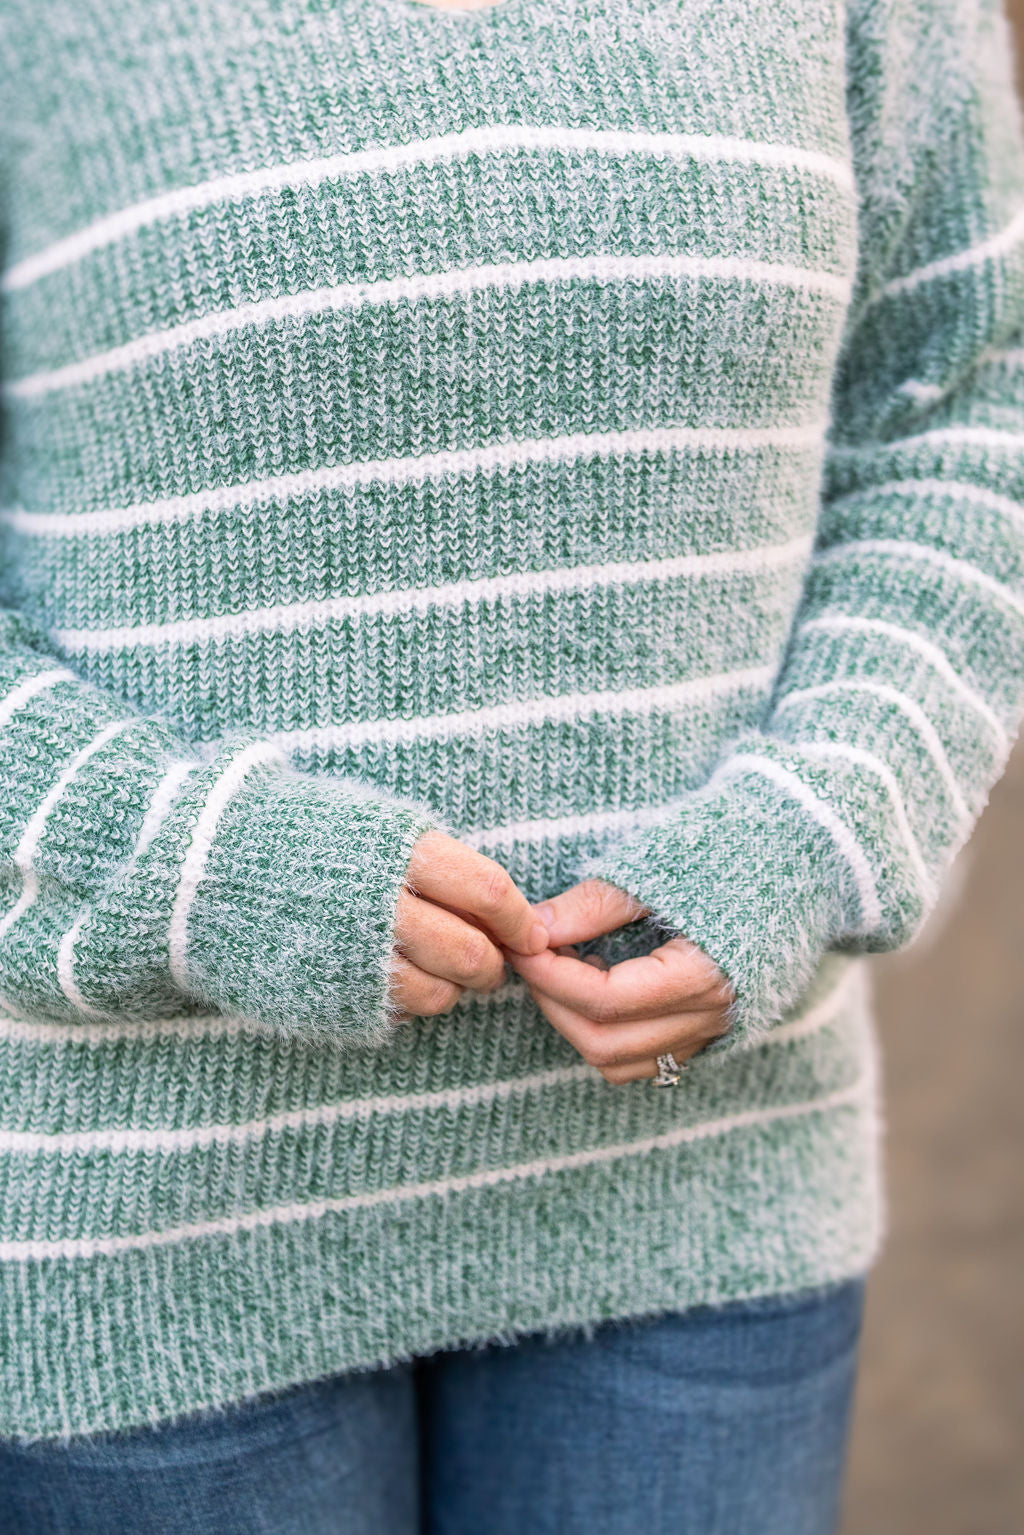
(717, 1421)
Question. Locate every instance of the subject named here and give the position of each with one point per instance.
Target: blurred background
(938, 1436)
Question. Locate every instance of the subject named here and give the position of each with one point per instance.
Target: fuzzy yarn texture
(590, 427)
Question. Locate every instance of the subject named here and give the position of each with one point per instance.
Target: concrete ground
(938, 1441)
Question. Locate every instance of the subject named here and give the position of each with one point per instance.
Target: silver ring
(669, 1070)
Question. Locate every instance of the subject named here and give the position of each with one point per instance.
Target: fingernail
(538, 936)
(546, 913)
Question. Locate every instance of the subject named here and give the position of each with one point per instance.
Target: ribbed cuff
(742, 871)
(293, 922)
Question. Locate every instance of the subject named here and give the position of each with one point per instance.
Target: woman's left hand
(622, 1017)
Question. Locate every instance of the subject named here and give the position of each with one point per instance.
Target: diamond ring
(668, 1070)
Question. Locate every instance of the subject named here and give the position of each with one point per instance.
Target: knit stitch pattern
(593, 428)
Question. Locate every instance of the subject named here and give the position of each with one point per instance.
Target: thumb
(586, 910)
(597, 960)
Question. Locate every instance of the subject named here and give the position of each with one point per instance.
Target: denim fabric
(717, 1421)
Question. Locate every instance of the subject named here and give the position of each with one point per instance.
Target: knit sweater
(593, 428)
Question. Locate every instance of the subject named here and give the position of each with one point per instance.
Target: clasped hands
(461, 916)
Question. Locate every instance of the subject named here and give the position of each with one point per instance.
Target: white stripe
(284, 618)
(521, 713)
(958, 491)
(902, 548)
(506, 275)
(907, 706)
(842, 751)
(939, 436)
(163, 798)
(94, 1035)
(914, 388)
(28, 847)
(931, 653)
(166, 1140)
(1010, 358)
(42, 682)
(388, 158)
(128, 1141)
(416, 469)
(193, 868)
(553, 828)
(976, 255)
(842, 836)
(66, 966)
(167, 791)
(858, 1094)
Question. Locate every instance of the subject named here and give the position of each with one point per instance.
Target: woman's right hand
(458, 907)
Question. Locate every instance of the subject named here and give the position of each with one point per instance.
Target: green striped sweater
(591, 427)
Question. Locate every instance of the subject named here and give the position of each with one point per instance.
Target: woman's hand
(461, 911)
(621, 1017)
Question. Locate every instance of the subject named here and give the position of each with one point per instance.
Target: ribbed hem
(745, 873)
(292, 922)
(155, 1334)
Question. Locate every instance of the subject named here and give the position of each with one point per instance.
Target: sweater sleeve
(140, 876)
(832, 825)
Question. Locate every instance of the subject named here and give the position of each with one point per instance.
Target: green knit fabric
(590, 427)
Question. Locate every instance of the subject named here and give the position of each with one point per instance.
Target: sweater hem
(155, 1335)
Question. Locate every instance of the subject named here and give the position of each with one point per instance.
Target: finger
(642, 1071)
(418, 994)
(625, 1046)
(671, 979)
(448, 872)
(587, 910)
(444, 945)
(597, 960)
